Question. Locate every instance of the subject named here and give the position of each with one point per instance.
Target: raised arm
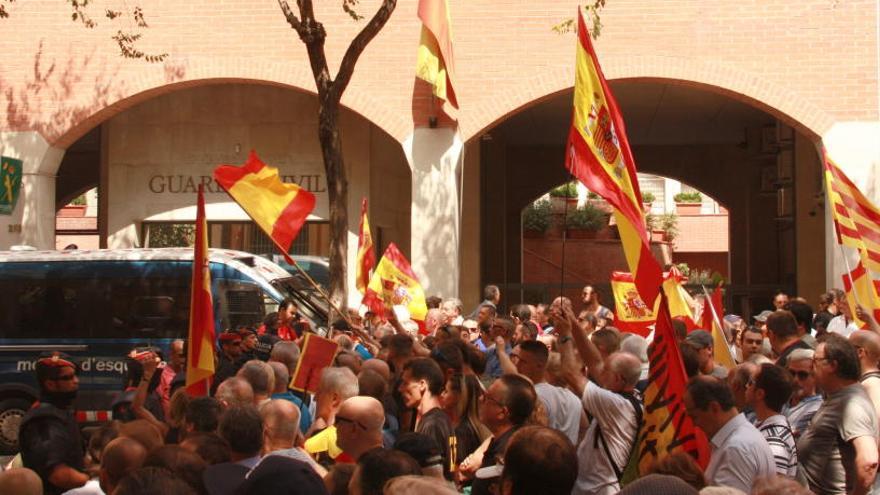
(140, 396)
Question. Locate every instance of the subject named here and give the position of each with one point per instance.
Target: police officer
(229, 360)
(49, 436)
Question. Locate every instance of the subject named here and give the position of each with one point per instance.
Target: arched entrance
(765, 172)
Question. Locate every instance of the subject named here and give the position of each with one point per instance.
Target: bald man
(120, 456)
(21, 481)
(235, 391)
(281, 432)
(359, 425)
(867, 345)
(379, 366)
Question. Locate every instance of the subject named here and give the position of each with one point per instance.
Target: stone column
(32, 221)
(434, 155)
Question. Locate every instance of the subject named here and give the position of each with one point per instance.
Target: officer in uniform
(229, 360)
(49, 437)
(248, 343)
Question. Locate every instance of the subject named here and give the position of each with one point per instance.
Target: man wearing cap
(248, 343)
(701, 341)
(229, 360)
(49, 437)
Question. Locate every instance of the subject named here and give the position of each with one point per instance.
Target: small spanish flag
(435, 63)
(394, 284)
(200, 341)
(366, 256)
(280, 209)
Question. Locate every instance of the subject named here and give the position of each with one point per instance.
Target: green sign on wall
(10, 183)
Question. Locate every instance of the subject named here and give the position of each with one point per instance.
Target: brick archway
(791, 108)
(147, 82)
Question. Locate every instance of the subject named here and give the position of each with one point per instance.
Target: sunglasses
(343, 419)
(800, 375)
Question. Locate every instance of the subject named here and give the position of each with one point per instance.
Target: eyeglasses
(65, 378)
(816, 359)
(488, 397)
(343, 419)
(800, 375)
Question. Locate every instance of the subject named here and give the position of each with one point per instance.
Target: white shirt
(563, 409)
(92, 487)
(838, 325)
(739, 456)
(617, 418)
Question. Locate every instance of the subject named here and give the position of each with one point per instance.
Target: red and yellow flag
(280, 209)
(200, 340)
(599, 155)
(856, 219)
(435, 63)
(861, 290)
(394, 284)
(712, 313)
(631, 314)
(667, 428)
(366, 256)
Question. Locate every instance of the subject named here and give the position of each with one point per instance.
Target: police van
(98, 305)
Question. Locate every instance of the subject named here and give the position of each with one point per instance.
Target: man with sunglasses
(49, 436)
(229, 360)
(359, 425)
(805, 399)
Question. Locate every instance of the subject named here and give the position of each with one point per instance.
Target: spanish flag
(200, 341)
(712, 313)
(667, 428)
(279, 209)
(599, 155)
(366, 256)
(435, 63)
(394, 284)
(860, 289)
(856, 219)
(631, 314)
(680, 302)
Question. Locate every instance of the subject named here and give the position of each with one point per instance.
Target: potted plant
(599, 202)
(536, 219)
(648, 200)
(585, 222)
(566, 193)
(688, 203)
(76, 207)
(668, 224)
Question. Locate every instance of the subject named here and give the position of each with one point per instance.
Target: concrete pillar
(855, 148)
(33, 220)
(434, 156)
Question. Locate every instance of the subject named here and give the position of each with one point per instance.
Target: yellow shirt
(325, 441)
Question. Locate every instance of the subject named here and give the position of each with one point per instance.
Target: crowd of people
(546, 399)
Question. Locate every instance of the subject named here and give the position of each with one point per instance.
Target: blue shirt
(305, 417)
(493, 365)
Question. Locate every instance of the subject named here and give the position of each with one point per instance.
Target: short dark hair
(203, 413)
(490, 292)
(608, 339)
(753, 329)
(433, 302)
(209, 446)
(803, 313)
(782, 324)
(540, 460)
(529, 330)
(186, 465)
(427, 369)
(493, 311)
(519, 397)
(536, 349)
(522, 312)
(842, 352)
(287, 302)
(777, 384)
(400, 345)
(242, 428)
(690, 358)
(448, 356)
(152, 480)
(706, 389)
(380, 465)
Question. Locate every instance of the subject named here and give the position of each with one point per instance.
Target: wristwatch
(564, 339)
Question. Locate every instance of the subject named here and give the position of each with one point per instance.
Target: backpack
(637, 406)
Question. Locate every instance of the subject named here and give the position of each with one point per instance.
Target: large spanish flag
(200, 340)
(395, 284)
(366, 255)
(435, 63)
(599, 155)
(667, 428)
(280, 209)
(856, 218)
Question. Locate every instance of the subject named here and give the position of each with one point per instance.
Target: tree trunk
(337, 189)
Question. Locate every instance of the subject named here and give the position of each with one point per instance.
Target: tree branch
(312, 34)
(357, 46)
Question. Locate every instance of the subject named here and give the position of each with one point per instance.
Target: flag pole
(712, 306)
(317, 287)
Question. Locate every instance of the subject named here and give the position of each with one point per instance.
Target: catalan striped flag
(599, 155)
(395, 284)
(856, 219)
(860, 289)
(435, 63)
(366, 255)
(200, 340)
(280, 209)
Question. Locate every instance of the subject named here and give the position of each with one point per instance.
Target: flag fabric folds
(600, 157)
(280, 209)
(712, 313)
(856, 219)
(435, 63)
(631, 314)
(860, 289)
(366, 256)
(667, 428)
(200, 339)
(395, 284)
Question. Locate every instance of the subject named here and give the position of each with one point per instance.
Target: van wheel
(12, 411)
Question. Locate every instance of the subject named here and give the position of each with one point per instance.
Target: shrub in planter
(568, 190)
(691, 197)
(587, 218)
(669, 225)
(537, 216)
(648, 197)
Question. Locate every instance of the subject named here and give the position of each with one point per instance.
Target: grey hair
(260, 375)
(340, 380)
(287, 353)
(627, 366)
(635, 345)
(453, 301)
(800, 354)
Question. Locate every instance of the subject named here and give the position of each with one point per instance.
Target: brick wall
(702, 233)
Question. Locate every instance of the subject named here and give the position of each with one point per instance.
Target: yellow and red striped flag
(712, 313)
(599, 155)
(435, 63)
(366, 256)
(395, 284)
(860, 289)
(280, 209)
(200, 340)
(856, 219)
(680, 302)
(667, 428)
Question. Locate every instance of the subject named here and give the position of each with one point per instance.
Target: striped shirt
(799, 416)
(777, 432)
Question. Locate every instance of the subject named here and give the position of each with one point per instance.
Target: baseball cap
(699, 338)
(762, 316)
